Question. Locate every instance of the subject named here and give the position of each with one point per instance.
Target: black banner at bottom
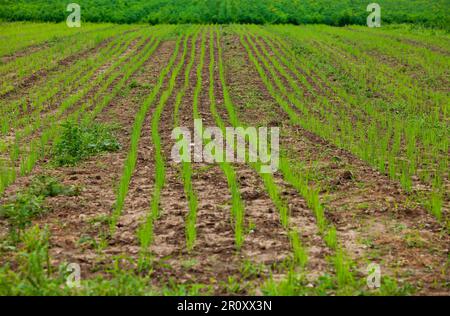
(215, 305)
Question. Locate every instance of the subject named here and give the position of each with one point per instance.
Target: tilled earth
(375, 219)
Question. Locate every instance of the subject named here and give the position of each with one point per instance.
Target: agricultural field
(87, 176)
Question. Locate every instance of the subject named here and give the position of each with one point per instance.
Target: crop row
(41, 120)
(16, 114)
(398, 145)
(340, 260)
(186, 167)
(145, 231)
(44, 60)
(111, 80)
(21, 37)
(130, 161)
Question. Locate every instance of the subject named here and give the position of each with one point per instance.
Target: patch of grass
(33, 265)
(233, 285)
(363, 206)
(194, 289)
(399, 227)
(48, 186)
(414, 240)
(368, 242)
(86, 240)
(20, 212)
(33, 275)
(80, 141)
(34, 257)
(99, 220)
(29, 203)
(251, 269)
(134, 84)
(390, 287)
(297, 285)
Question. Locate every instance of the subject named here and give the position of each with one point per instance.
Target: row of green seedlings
(145, 233)
(376, 151)
(37, 146)
(186, 166)
(42, 121)
(18, 42)
(112, 73)
(323, 109)
(289, 172)
(8, 170)
(434, 40)
(48, 59)
(341, 263)
(191, 219)
(328, 132)
(20, 38)
(29, 64)
(397, 90)
(113, 84)
(17, 114)
(423, 125)
(100, 99)
(431, 65)
(389, 55)
(131, 160)
(237, 205)
(30, 48)
(299, 251)
(14, 150)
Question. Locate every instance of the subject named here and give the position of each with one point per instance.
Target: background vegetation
(435, 13)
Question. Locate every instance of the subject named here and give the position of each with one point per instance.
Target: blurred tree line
(431, 13)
